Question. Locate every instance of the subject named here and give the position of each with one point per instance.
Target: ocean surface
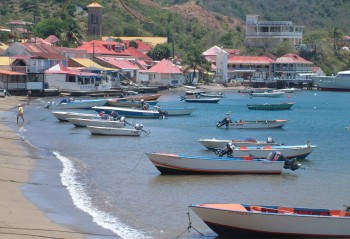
(107, 186)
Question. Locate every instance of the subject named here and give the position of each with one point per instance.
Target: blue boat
(128, 112)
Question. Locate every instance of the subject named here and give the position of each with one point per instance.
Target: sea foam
(83, 201)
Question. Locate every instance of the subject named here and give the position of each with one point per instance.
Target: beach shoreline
(19, 217)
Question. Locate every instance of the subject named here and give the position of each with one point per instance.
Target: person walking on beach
(20, 112)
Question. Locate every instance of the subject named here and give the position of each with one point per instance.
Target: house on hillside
(68, 79)
(271, 33)
(33, 59)
(127, 69)
(164, 73)
(211, 53)
(259, 68)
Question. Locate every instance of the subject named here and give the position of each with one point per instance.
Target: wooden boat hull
(184, 164)
(64, 115)
(267, 106)
(258, 124)
(128, 112)
(111, 131)
(80, 104)
(201, 100)
(272, 221)
(144, 97)
(221, 143)
(78, 122)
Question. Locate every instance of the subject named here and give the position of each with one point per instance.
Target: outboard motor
(226, 151)
(291, 164)
(138, 126)
(225, 121)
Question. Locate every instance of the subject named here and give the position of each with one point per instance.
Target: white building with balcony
(271, 33)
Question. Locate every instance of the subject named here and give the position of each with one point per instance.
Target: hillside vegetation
(203, 23)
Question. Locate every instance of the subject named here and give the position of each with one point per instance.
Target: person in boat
(114, 115)
(103, 115)
(270, 140)
(228, 119)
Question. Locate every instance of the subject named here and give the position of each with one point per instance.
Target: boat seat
(234, 207)
(267, 147)
(243, 148)
(339, 213)
(286, 210)
(255, 208)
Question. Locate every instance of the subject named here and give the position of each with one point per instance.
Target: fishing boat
(64, 115)
(221, 143)
(124, 102)
(200, 100)
(339, 82)
(179, 111)
(144, 97)
(271, 106)
(212, 95)
(128, 112)
(288, 151)
(289, 90)
(112, 131)
(271, 93)
(79, 122)
(187, 164)
(273, 221)
(76, 104)
(253, 124)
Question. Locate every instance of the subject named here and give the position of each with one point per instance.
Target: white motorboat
(253, 124)
(79, 122)
(273, 93)
(64, 115)
(255, 221)
(112, 131)
(288, 151)
(187, 164)
(77, 104)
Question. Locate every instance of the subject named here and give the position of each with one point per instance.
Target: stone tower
(95, 19)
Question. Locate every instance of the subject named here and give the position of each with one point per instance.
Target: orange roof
(166, 67)
(94, 4)
(250, 60)
(292, 58)
(119, 63)
(5, 72)
(137, 54)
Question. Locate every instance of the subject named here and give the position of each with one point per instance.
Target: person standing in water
(20, 112)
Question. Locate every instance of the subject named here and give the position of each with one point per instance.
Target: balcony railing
(269, 34)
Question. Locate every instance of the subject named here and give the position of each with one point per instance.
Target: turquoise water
(112, 181)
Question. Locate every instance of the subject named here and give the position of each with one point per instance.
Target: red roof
(292, 58)
(5, 72)
(61, 69)
(97, 48)
(250, 60)
(166, 67)
(137, 54)
(43, 51)
(52, 39)
(119, 63)
(141, 46)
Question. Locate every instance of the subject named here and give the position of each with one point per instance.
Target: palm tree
(194, 60)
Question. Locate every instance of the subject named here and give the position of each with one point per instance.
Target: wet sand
(19, 218)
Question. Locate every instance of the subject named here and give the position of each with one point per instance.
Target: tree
(50, 26)
(194, 60)
(133, 44)
(160, 52)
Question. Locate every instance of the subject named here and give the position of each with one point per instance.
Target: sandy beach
(19, 218)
